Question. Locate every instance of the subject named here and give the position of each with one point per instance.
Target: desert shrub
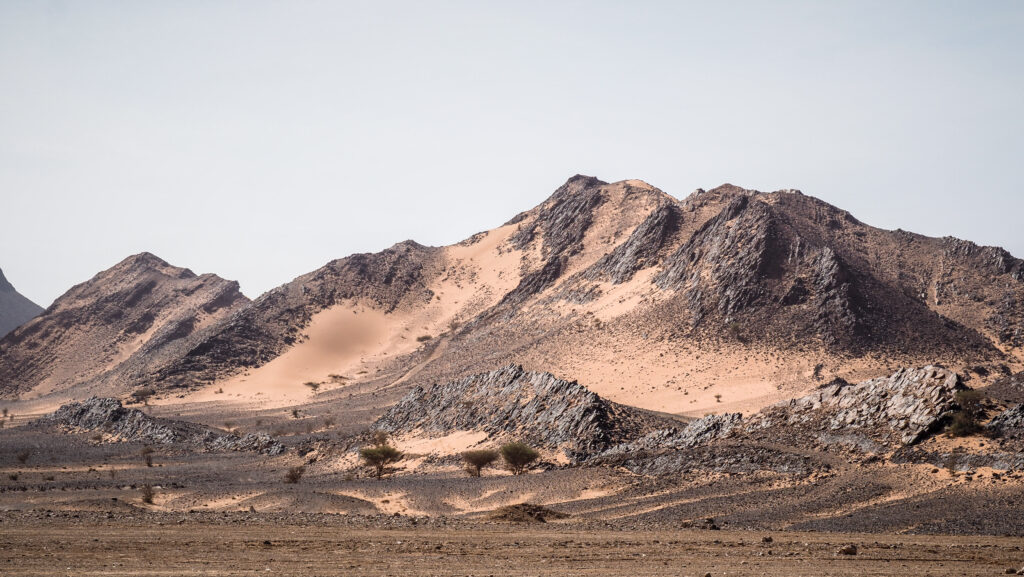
(817, 371)
(380, 455)
(379, 438)
(735, 330)
(147, 494)
(142, 395)
(23, 455)
(966, 420)
(423, 338)
(295, 413)
(478, 459)
(12, 476)
(718, 398)
(294, 474)
(313, 386)
(518, 457)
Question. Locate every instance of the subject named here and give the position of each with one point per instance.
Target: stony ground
(174, 545)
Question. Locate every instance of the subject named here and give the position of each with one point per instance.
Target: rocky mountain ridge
(619, 284)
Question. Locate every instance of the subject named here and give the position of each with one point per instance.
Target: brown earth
(173, 545)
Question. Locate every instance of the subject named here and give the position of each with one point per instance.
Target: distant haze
(260, 140)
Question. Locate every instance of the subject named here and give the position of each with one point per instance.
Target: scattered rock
(847, 550)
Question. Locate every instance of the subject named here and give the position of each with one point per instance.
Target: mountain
(102, 333)
(730, 299)
(15, 309)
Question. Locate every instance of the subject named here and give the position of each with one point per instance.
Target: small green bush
(379, 457)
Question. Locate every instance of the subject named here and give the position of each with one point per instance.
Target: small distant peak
(147, 261)
(637, 183)
(733, 189)
(143, 259)
(5, 285)
(583, 181)
(577, 185)
(408, 244)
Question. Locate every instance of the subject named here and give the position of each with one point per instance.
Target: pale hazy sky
(259, 140)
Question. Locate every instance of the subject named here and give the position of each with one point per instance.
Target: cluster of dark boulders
(117, 423)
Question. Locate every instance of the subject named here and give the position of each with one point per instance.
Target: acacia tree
(478, 459)
(380, 455)
(518, 457)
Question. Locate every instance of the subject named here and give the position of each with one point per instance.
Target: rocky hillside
(117, 424)
(15, 309)
(511, 404)
(726, 301)
(101, 334)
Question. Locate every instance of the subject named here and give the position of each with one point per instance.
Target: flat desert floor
(85, 543)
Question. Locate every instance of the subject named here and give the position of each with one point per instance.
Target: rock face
(513, 404)
(102, 333)
(1009, 423)
(891, 411)
(119, 424)
(696, 433)
(15, 309)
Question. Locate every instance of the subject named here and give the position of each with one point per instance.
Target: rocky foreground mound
(511, 403)
(119, 424)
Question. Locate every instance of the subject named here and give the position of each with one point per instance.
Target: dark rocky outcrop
(563, 219)
(1008, 424)
(643, 247)
(513, 404)
(118, 424)
(15, 309)
(886, 413)
(696, 433)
